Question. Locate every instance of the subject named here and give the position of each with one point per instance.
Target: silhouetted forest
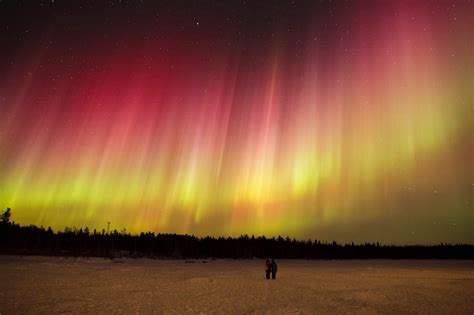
(33, 240)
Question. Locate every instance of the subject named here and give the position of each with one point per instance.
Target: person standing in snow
(268, 268)
(274, 268)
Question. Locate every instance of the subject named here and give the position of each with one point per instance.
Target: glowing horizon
(352, 126)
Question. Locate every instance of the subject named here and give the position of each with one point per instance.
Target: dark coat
(268, 266)
(274, 266)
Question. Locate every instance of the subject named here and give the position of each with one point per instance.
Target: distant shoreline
(32, 240)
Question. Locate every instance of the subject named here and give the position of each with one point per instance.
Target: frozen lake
(85, 286)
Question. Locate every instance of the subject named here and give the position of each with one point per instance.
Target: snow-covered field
(90, 286)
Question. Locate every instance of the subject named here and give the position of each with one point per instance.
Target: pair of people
(270, 267)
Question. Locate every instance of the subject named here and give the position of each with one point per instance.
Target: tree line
(32, 240)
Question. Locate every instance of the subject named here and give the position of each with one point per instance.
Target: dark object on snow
(268, 268)
(274, 268)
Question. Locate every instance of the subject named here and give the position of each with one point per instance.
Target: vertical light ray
(370, 122)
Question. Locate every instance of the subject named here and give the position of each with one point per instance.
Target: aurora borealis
(336, 120)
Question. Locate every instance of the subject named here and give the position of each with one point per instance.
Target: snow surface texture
(48, 285)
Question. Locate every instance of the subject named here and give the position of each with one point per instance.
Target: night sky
(335, 120)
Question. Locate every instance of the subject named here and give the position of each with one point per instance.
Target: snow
(45, 285)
